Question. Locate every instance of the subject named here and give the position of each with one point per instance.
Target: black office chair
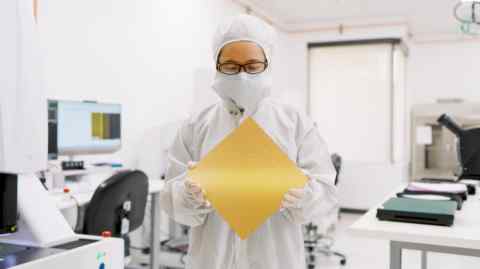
(118, 206)
(316, 243)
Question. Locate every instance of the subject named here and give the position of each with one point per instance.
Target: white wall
(444, 70)
(295, 54)
(434, 70)
(142, 54)
(285, 68)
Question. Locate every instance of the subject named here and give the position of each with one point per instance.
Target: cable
(138, 248)
(43, 179)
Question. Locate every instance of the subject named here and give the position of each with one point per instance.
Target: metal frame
(354, 42)
(396, 248)
(392, 102)
(155, 239)
(242, 67)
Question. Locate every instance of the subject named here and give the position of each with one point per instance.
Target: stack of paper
(437, 187)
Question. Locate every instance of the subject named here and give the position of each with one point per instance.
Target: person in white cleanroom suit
(244, 89)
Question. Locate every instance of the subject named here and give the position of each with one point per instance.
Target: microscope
(468, 147)
(442, 148)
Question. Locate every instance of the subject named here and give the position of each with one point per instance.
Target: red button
(106, 234)
(66, 190)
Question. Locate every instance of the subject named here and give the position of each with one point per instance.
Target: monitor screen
(83, 128)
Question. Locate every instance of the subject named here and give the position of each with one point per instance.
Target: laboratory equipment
(8, 205)
(433, 212)
(22, 111)
(85, 253)
(80, 127)
(76, 127)
(35, 233)
(73, 165)
(467, 12)
(45, 240)
(468, 147)
(434, 147)
(21, 108)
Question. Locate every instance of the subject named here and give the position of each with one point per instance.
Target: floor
(374, 254)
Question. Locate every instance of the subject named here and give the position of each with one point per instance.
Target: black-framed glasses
(252, 68)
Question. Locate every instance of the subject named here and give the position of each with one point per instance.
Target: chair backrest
(337, 164)
(121, 197)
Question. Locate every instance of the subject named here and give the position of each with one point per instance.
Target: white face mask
(243, 90)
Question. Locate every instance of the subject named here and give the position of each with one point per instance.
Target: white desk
(65, 201)
(463, 238)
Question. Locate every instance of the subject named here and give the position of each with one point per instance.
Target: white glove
(294, 198)
(194, 192)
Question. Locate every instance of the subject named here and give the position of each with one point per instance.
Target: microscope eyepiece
(450, 124)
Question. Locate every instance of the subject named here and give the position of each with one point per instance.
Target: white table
(463, 238)
(65, 201)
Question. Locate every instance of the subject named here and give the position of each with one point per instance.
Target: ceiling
(423, 16)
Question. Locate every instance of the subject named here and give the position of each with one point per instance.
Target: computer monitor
(76, 127)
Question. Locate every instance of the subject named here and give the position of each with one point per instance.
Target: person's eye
(229, 68)
(255, 67)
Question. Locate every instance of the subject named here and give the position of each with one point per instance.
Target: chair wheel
(343, 262)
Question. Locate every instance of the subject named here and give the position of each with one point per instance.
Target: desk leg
(395, 255)
(424, 259)
(155, 228)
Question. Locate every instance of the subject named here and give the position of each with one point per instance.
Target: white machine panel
(40, 224)
(103, 253)
(23, 118)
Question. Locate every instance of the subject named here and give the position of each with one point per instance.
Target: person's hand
(293, 198)
(194, 191)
